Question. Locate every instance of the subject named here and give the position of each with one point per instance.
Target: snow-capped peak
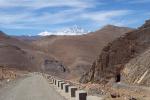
(45, 33)
(74, 30)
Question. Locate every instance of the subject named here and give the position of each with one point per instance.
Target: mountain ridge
(74, 30)
(23, 55)
(78, 52)
(116, 54)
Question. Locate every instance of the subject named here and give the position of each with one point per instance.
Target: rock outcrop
(137, 70)
(146, 25)
(6, 73)
(107, 68)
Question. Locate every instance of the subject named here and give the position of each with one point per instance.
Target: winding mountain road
(34, 87)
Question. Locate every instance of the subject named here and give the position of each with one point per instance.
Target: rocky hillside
(78, 52)
(7, 73)
(137, 71)
(21, 55)
(110, 63)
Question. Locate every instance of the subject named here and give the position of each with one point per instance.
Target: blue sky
(23, 17)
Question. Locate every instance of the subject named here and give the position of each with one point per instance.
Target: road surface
(34, 87)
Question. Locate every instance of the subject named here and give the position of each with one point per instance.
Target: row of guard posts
(72, 90)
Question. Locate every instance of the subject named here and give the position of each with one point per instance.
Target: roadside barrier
(68, 88)
(81, 95)
(58, 82)
(72, 90)
(61, 85)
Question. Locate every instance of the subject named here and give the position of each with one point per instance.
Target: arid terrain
(123, 62)
(78, 52)
(74, 50)
(22, 55)
(55, 54)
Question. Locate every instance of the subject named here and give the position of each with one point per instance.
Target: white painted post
(66, 87)
(50, 81)
(81, 95)
(61, 86)
(55, 82)
(58, 81)
(72, 90)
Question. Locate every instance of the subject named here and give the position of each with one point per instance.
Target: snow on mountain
(75, 30)
(45, 33)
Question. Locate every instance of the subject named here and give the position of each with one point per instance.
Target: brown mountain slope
(137, 71)
(116, 54)
(18, 54)
(78, 52)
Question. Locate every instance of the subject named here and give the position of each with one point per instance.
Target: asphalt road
(34, 87)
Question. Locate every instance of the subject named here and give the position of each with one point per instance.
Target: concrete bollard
(52, 80)
(66, 87)
(58, 81)
(55, 82)
(81, 95)
(72, 90)
(48, 77)
(61, 86)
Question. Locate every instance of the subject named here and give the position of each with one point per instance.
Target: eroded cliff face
(107, 68)
(137, 71)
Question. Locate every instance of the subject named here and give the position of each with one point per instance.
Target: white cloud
(28, 16)
(37, 4)
(31, 19)
(106, 17)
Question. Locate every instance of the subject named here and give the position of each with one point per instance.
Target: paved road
(34, 87)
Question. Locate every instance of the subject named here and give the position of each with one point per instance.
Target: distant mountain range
(27, 38)
(75, 30)
(57, 54)
(18, 53)
(79, 51)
